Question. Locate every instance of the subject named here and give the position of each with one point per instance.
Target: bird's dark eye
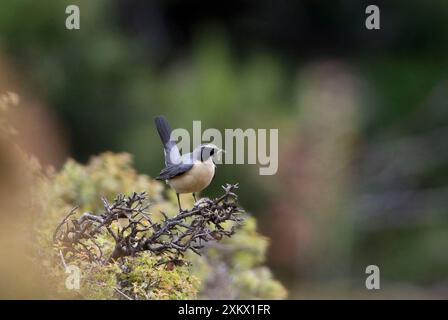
(207, 152)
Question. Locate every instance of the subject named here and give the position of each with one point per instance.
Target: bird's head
(205, 151)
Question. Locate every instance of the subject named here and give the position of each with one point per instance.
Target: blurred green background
(362, 117)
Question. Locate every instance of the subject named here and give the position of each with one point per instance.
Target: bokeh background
(362, 118)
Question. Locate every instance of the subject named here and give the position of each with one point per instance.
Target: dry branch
(188, 230)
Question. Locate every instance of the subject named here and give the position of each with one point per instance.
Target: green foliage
(241, 256)
(144, 276)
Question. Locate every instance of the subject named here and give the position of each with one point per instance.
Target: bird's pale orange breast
(196, 179)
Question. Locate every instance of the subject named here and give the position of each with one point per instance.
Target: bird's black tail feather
(171, 151)
(163, 128)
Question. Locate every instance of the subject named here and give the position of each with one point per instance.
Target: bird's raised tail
(163, 128)
(172, 154)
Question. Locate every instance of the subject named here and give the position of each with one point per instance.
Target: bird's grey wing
(171, 151)
(174, 170)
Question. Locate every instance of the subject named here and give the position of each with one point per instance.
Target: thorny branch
(188, 230)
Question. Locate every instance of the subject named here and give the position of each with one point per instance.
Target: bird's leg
(178, 202)
(194, 197)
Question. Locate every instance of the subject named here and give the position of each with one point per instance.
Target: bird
(188, 173)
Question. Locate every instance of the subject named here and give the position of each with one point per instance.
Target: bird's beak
(221, 151)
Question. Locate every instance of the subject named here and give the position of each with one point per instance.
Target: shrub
(229, 268)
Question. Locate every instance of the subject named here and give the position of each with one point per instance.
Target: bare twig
(122, 293)
(188, 230)
(62, 259)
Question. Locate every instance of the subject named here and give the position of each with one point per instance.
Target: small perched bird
(189, 173)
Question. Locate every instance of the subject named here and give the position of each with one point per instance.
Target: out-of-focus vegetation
(362, 114)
